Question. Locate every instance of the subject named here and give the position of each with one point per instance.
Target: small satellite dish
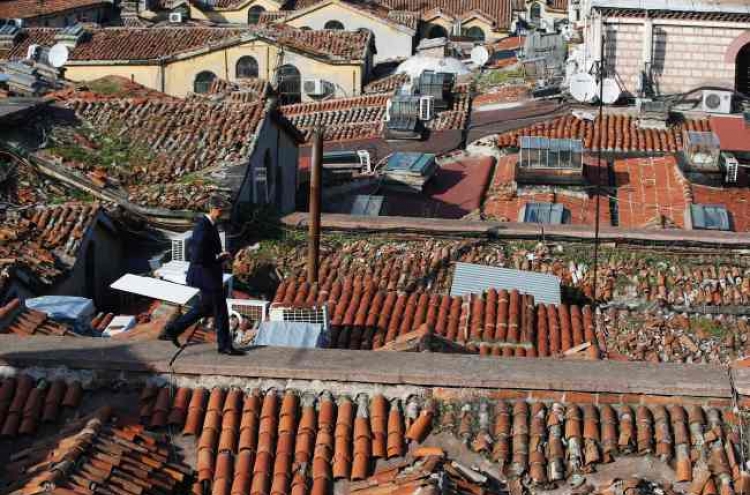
(583, 87)
(611, 91)
(480, 55)
(58, 55)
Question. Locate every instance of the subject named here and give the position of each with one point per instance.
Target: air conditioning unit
(175, 17)
(364, 160)
(731, 167)
(318, 87)
(717, 101)
(180, 246)
(426, 107)
(31, 53)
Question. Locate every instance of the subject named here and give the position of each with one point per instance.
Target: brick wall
(684, 57)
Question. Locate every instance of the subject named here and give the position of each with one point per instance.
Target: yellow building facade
(177, 75)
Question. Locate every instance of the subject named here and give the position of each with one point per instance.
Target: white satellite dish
(58, 55)
(611, 91)
(583, 87)
(480, 55)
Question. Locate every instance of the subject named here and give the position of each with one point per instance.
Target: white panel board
(155, 289)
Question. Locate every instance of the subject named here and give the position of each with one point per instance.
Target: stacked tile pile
(619, 133)
(26, 322)
(544, 444)
(685, 285)
(94, 455)
(274, 442)
(498, 323)
(44, 240)
(669, 337)
(185, 136)
(26, 187)
(25, 404)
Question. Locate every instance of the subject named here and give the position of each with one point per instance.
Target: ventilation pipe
(316, 172)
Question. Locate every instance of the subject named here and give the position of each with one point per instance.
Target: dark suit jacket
(205, 271)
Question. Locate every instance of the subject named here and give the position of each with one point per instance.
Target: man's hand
(225, 256)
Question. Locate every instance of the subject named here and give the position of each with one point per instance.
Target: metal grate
(253, 310)
(318, 315)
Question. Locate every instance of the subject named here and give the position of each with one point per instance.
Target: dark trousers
(210, 303)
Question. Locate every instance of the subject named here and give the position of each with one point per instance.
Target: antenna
(583, 87)
(610, 91)
(58, 55)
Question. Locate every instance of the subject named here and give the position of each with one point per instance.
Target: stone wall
(684, 56)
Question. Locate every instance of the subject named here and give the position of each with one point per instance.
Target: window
(475, 34)
(542, 152)
(709, 217)
(203, 82)
(535, 12)
(437, 31)
(253, 15)
(247, 67)
(335, 25)
(305, 28)
(547, 213)
(289, 84)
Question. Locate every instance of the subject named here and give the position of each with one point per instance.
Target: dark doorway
(742, 71)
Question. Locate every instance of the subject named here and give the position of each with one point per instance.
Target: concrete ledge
(511, 230)
(396, 368)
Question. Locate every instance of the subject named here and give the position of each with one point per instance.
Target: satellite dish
(611, 91)
(480, 55)
(58, 55)
(583, 87)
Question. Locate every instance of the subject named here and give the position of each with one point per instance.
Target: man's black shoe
(167, 336)
(232, 352)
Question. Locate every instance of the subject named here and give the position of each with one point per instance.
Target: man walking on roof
(205, 273)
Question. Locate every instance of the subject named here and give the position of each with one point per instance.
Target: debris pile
(672, 337)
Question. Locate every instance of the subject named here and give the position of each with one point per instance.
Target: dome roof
(417, 64)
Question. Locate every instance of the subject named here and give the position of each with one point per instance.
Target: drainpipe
(316, 171)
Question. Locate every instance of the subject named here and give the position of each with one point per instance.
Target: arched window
(289, 85)
(254, 13)
(475, 33)
(437, 31)
(305, 28)
(203, 81)
(335, 25)
(247, 67)
(536, 12)
(742, 70)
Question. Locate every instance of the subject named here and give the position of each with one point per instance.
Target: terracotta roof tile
(619, 133)
(43, 241)
(123, 43)
(387, 84)
(93, 451)
(24, 9)
(499, 11)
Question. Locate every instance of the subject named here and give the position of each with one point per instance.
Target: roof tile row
(283, 443)
(26, 403)
(618, 133)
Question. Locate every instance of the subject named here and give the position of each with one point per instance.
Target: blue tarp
(76, 311)
(291, 334)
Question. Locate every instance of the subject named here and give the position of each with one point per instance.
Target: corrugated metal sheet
(469, 278)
